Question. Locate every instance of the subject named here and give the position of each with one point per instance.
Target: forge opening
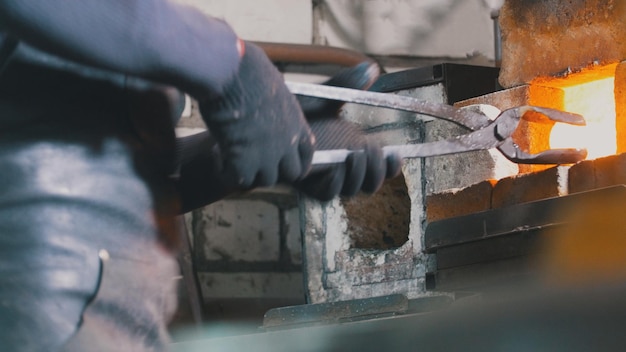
(380, 221)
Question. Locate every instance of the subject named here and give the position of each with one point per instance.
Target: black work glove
(200, 164)
(366, 168)
(259, 125)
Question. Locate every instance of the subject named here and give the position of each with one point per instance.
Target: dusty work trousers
(81, 266)
(82, 262)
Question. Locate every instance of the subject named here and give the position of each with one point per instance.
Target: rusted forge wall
(552, 37)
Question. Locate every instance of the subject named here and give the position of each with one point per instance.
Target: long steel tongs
(487, 133)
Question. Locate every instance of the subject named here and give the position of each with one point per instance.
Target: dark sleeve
(153, 39)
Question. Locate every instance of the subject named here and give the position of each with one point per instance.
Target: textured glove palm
(366, 168)
(259, 126)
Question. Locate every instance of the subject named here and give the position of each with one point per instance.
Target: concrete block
(332, 259)
(459, 201)
(412, 288)
(523, 188)
(547, 38)
(294, 235)
(238, 230)
(370, 275)
(314, 240)
(457, 170)
(380, 220)
(358, 267)
(380, 225)
(250, 285)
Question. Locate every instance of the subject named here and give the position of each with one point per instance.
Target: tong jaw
(486, 133)
(508, 121)
(496, 134)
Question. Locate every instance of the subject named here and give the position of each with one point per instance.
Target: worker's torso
(39, 90)
(75, 137)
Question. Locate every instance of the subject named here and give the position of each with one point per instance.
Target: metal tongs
(486, 133)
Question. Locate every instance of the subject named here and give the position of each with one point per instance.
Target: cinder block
(380, 220)
(412, 288)
(547, 37)
(457, 202)
(238, 230)
(250, 285)
(524, 188)
(581, 177)
(371, 275)
(294, 236)
(360, 267)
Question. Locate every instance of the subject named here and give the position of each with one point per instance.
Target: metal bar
(477, 140)
(464, 118)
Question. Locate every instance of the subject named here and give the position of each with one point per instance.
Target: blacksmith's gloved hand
(366, 168)
(259, 125)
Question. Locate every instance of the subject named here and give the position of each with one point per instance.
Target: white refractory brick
(412, 288)
(239, 230)
(336, 232)
(357, 267)
(413, 175)
(314, 230)
(563, 180)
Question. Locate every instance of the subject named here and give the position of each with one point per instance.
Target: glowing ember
(590, 93)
